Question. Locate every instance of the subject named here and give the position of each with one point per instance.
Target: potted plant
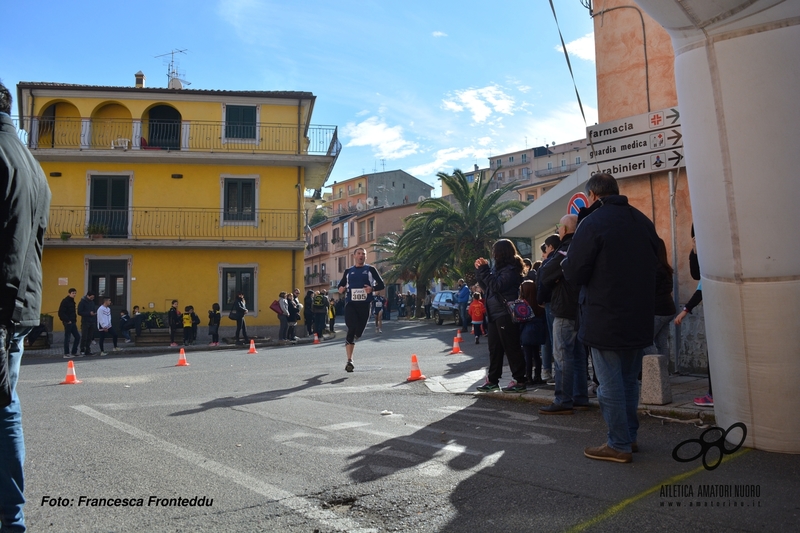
(96, 231)
(334, 240)
(65, 235)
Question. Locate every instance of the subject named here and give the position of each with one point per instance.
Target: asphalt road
(285, 440)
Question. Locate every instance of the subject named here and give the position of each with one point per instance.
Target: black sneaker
(477, 340)
(515, 387)
(488, 387)
(349, 366)
(555, 409)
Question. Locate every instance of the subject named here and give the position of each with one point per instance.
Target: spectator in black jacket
(23, 220)
(665, 304)
(87, 310)
(613, 258)
(308, 312)
(568, 352)
(543, 296)
(501, 284)
(174, 322)
(68, 317)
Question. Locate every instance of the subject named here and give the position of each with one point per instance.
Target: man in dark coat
(613, 259)
(69, 318)
(568, 352)
(87, 310)
(23, 219)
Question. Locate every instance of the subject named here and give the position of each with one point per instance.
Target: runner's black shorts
(356, 316)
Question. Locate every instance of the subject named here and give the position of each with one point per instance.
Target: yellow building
(170, 193)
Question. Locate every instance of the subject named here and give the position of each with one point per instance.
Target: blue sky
(421, 86)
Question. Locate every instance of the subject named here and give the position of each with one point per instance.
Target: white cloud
(485, 141)
(439, 34)
(362, 113)
(481, 102)
(583, 47)
(386, 142)
(444, 157)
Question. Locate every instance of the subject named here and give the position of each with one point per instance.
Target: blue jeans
(12, 446)
(71, 329)
(570, 364)
(462, 312)
(547, 347)
(618, 394)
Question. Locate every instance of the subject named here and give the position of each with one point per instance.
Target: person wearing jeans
(613, 258)
(618, 394)
(12, 444)
(23, 223)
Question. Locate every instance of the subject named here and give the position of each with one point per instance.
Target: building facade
(169, 193)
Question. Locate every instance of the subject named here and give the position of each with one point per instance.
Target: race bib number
(358, 295)
(378, 305)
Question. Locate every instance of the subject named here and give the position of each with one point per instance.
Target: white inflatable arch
(737, 70)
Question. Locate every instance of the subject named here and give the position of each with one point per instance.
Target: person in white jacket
(104, 326)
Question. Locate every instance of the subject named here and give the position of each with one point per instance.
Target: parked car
(444, 305)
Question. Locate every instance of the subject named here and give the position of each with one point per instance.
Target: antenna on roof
(174, 81)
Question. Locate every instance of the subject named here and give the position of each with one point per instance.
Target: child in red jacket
(477, 311)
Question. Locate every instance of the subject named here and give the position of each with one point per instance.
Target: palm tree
(448, 237)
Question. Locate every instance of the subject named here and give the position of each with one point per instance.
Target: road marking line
(302, 506)
(345, 425)
(616, 508)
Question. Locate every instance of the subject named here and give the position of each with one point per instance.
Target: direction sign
(650, 142)
(654, 120)
(641, 143)
(642, 164)
(577, 201)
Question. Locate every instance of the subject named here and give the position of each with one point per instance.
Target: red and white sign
(577, 201)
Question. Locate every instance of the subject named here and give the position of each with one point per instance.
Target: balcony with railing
(317, 279)
(558, 170)
(189, 136)
(153, 224)
(316, 248)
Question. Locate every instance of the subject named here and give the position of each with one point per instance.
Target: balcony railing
(191, 136)
(557, 170)
(174, 224)
(316, 248)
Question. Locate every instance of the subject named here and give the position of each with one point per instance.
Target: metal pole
(675, 278)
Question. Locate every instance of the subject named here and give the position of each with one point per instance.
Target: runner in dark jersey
(378, 308)
(358, 282)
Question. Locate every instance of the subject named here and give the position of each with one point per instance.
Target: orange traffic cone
(182, 359)
(415, 375)
(252, 346)
(456, 346)
(71, 378)
(316, 339)
(458, 334)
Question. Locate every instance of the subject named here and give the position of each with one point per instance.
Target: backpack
(153, 321)
(318, 301)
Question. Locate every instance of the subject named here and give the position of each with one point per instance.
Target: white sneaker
(127, 341)
(103, 353)
(546, 375)
(117, 349)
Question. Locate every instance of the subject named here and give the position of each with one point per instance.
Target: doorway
(109, 278)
